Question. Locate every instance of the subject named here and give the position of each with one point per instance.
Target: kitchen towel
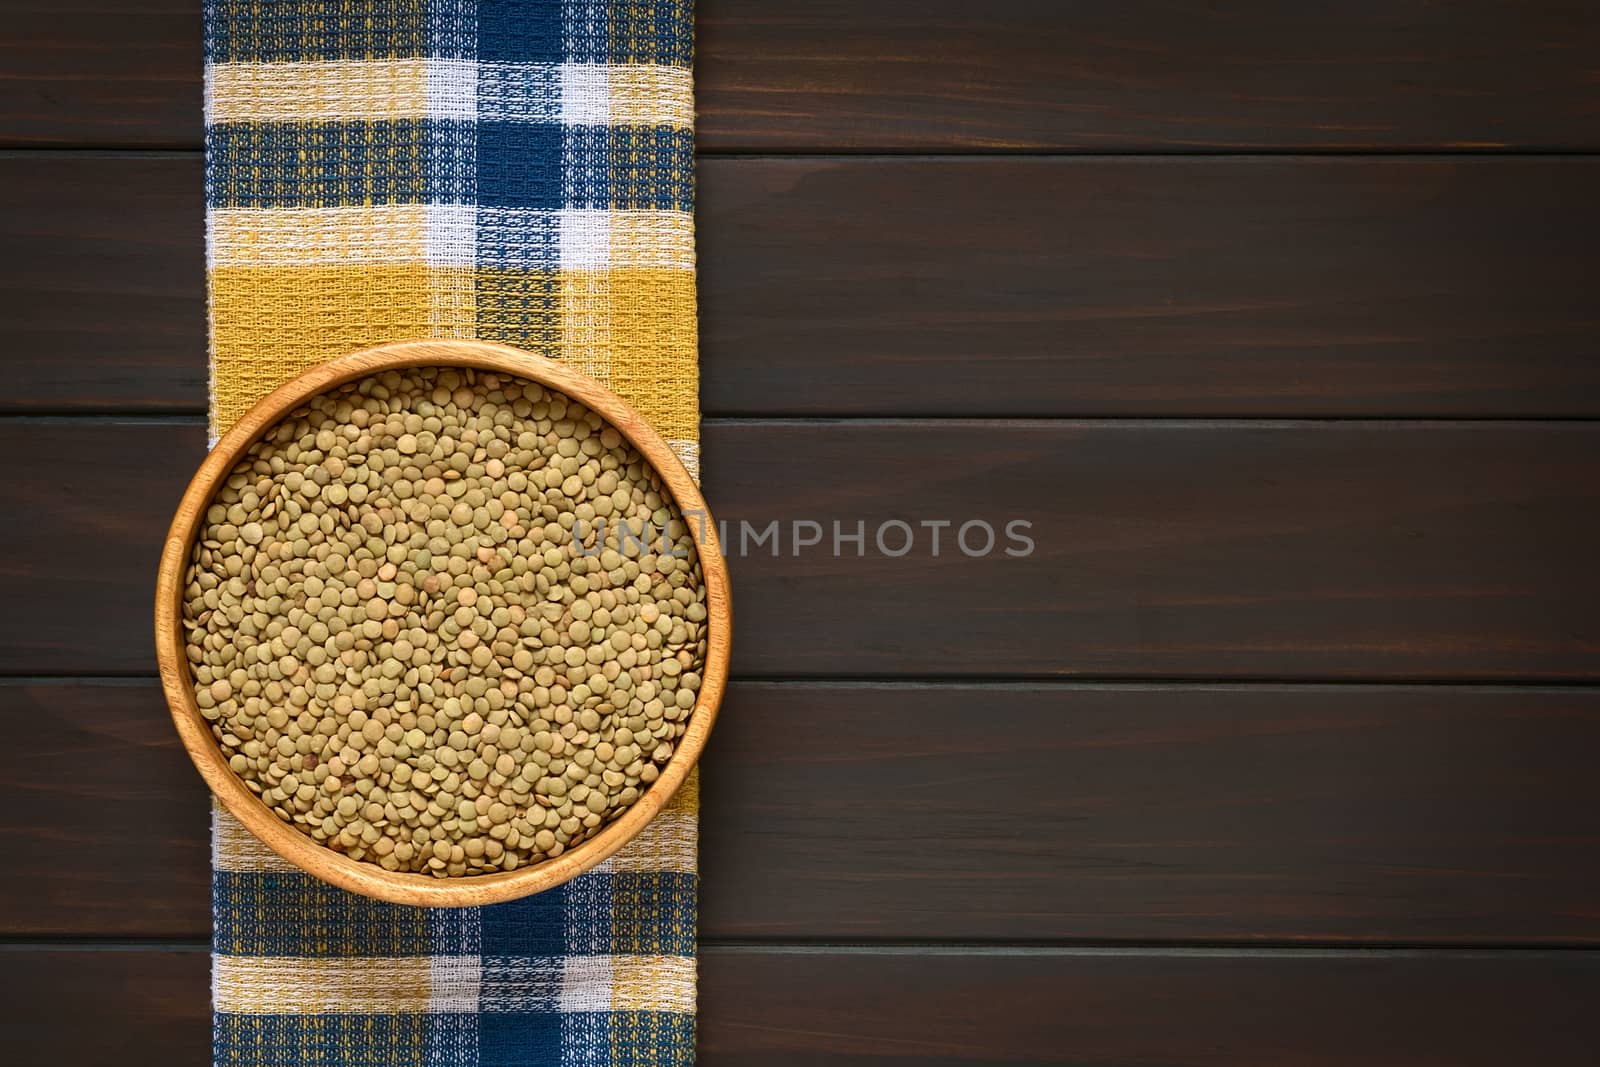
(512, 172)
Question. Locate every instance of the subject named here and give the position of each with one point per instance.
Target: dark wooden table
(1277, 321)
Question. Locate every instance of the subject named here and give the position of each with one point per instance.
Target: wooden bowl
(288, 842)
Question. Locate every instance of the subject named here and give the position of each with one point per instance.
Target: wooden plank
(102, 283)
(108, 823)
(1045, 287)
(1137, 813)
(1284, 287)
(1165, 549)
(957, 1008)
(75, 1006)
(1366, 814)
(943, 74)
(1236, 550)
(931, 75)
(766, 1007)
(84, 72)
(86, 505)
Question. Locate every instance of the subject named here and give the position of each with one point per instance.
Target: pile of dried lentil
(404, 648)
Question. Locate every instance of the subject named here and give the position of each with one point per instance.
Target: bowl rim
(360, 876)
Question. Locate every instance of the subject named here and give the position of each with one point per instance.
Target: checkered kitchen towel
(515, 172)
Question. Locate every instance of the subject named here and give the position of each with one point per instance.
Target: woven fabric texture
(514, 172)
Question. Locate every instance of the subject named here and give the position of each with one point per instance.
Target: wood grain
(102, 283)
(955, 1008)
(154, 1003)
(947, 75)
(1138, 813)
(1045, 287)
(1365, 550)
(935, 75)
(1168, 549)
(85, 511)
(90, 73)
(108, 821)
(1368, 814)
(964, 1008)
(1326, 287)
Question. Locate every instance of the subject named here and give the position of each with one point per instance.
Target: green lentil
(410, 654)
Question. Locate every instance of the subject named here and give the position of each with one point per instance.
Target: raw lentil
(403, 647)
